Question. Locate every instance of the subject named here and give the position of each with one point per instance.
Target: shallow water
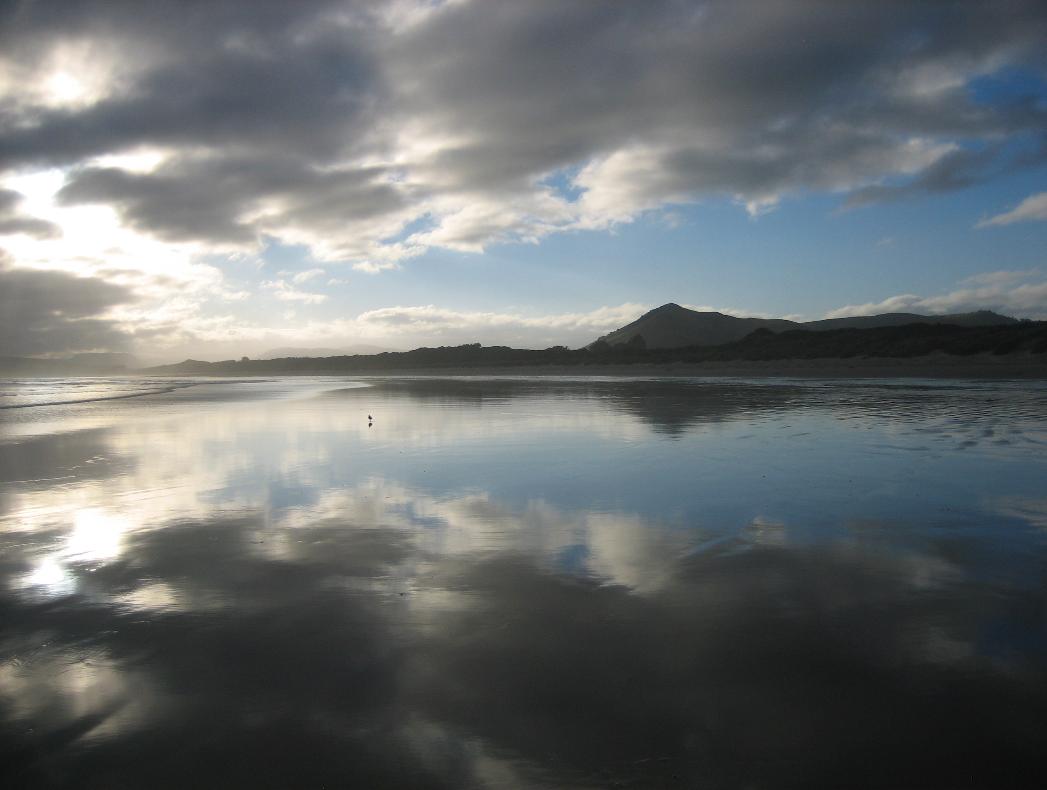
(525, 582)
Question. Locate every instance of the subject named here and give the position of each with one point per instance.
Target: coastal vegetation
(1020, 340)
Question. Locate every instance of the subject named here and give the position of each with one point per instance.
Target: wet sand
(942, 366)
(500, 583)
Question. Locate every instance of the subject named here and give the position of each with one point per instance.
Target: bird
(370, 418)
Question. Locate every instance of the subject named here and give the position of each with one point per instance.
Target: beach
(541, 581)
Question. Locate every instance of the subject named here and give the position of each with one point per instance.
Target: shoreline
(932, 367)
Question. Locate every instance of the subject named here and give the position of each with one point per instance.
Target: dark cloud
(223, 75)
(749, 99)
(958, 169)
(209, 198)
(338, 123)
(54, 312)
(172, 209)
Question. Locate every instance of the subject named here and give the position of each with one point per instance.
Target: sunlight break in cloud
(331, 125)
(168, 152)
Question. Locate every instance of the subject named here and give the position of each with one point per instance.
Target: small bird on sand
(369, 418)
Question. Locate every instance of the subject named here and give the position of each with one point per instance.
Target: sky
(211, 179)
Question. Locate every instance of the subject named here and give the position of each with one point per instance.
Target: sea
(541, 582)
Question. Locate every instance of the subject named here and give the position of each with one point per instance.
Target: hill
(977, 318)
(673, 326)
(1024, 342)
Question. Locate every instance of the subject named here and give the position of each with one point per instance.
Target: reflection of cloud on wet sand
(669, 407)
(808, 660)
(290, 667)
(1030, 510)
(43, 461)
(389, 656)
(84, 695)
(230, 456)
(271, 595)
(618, 548)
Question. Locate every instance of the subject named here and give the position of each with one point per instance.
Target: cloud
(168, 148)
(287, 293)
(737, 312)
(52, 312)
(371, 267)
(307, 275)
(947, 170)
(393, 327)
(169, 209)
(438, 322)
(342, 126)
(1032, 208)
(1002, 277)
(13, 221)
(1017, 293)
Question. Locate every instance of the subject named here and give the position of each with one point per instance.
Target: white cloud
(307, 275)
(1022, 294)
(1033, 208)
(394, 327)
(1002, 277)
(287, 293)
(438, 320)
(737, 312)
(373, 267)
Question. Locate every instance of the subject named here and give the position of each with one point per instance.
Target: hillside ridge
(672, 326)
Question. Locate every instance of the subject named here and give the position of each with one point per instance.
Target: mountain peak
(668, 307)
(673, 326)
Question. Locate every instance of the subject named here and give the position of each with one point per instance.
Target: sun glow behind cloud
(168, 154)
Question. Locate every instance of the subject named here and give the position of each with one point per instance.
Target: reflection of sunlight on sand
(259, 555)
(306, 463)
(154, 596)
(50, 578)
(96, 535)
(220, 457)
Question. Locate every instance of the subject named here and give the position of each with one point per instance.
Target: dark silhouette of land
(295, 351)
(1022, 345)
(669, 338)
(672, 326)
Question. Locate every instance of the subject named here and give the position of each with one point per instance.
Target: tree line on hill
(894, 342)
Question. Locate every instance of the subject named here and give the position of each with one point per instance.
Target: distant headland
(669, 340)
(675, 340)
